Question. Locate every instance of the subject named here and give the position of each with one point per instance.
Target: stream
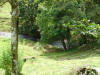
(57, 44)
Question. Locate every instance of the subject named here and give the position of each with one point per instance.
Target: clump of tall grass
(6, 62)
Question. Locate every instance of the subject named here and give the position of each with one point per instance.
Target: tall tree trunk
(14, 36)
(68, 37)
(64, 44)
(67, 44)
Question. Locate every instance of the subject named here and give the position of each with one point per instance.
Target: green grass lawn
(52, 63)
(5, 17)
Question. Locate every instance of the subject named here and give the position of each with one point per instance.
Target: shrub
(87, 31)
(87, 39)
(85, 70)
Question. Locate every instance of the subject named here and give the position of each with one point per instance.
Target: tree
(88, 27)
(28, 12)
(91, 9)
(55, 20)
(14, 28)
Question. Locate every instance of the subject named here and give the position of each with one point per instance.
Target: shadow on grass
(4, 18)
(72, 54)
(5, 24)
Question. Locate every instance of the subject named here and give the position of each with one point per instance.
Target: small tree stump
(25, 59)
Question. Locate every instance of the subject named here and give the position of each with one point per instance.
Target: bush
(87, 31)
(87, 39)
(6, 62)
(85, 70)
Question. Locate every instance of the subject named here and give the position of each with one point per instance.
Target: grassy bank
(52, 63)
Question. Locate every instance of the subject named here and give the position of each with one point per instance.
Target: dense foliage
(53, 20)
(58, 18)
(61, 19)
(28, 12)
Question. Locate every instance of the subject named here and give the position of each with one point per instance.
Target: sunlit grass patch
(5, 11)
(2, 72)
(5, 17)
(5, 25)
